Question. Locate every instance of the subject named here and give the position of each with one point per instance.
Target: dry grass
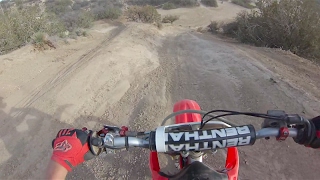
(170, 19)
(213, 26)
(42, 42)
(288, 24)
(243, 3)
(211, 3)
(17, 26)
(145, 14)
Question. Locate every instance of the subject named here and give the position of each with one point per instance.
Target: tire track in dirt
(66, 72)
(38, 126)
(142, 107)
(28, 117)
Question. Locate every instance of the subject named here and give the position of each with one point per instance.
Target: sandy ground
(202, 16)
(131, 75)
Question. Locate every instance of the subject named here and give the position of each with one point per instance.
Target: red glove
(70, 147)
(309, 135)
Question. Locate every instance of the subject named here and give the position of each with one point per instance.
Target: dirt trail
(202, 16)
(131, 75)
(219, 75)
(67, 90)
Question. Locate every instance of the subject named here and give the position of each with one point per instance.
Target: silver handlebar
(160, 134)
(274, 132)
(120, 142)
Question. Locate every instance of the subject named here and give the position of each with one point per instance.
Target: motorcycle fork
(184, 158)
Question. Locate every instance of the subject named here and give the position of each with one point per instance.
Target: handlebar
(192, 136)
(198, 140)
(161, 140)
(274, 132)
(132, 142)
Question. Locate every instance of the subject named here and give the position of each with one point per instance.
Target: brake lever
(285, 120)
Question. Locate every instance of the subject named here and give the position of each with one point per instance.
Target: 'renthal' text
(208, 139)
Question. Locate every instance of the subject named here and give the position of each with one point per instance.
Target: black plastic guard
(198, 171)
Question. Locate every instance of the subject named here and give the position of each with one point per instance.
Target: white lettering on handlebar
(232, 142)
(214, 145)
(231, 131)
(177, 148)
(209, 139)
(176, 136)
(195, 147)
(205, 135)
(205, 146)
(244, 141)
(219, 144)
(234, 131)
(219, 132)
(193, 134)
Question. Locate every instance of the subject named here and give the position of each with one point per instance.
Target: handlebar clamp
(283, 134)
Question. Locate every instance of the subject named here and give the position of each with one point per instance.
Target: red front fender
(154, 166)
(232, 161)
(187, 117)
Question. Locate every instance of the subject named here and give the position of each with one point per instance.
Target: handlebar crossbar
(162, 140)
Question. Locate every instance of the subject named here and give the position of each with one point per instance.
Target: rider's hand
(310, 134)
(70, 147)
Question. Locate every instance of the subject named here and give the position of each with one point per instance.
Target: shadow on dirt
(33, 130)
(32, 125)
(23, 128)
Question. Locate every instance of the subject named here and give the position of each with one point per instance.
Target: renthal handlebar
(199, 140)
(161, 140)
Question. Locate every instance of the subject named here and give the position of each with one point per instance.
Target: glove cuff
(316, 142)
(63, 163)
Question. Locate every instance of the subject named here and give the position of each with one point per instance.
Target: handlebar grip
(198, 140)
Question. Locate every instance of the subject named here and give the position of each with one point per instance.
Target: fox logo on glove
(63, 146)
